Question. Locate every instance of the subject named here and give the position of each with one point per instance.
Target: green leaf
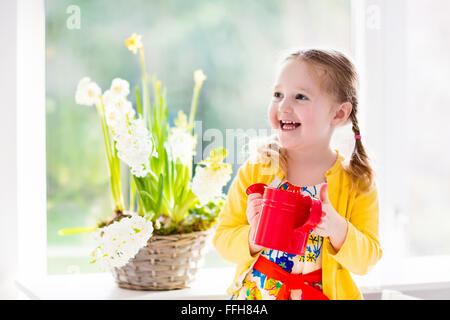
(138, 102)
(160, 196)
(147, 198)
(68, 231)
(167, 172)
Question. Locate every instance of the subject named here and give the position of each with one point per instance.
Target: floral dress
(257, 286)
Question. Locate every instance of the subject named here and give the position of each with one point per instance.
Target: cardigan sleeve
(361, 248)
(231, 236)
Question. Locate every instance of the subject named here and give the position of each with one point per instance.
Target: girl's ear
(341, 114)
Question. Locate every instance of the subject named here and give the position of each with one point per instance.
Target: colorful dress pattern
(257, 286)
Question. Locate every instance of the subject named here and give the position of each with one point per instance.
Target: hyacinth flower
(121, 240)
(181, 142)
(211, 175)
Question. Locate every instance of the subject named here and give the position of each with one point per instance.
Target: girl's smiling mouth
(287, 125)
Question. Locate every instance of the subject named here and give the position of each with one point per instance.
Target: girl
(315, 91)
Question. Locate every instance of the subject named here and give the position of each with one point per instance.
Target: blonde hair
(340, 79)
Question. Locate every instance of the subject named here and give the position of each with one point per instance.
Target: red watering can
(286, 219)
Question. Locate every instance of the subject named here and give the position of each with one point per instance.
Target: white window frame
(375, 29)
(22, 172)
(24, 161)
(8, 160)
(31, 131)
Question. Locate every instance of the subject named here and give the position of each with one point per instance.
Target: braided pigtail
(359, 168)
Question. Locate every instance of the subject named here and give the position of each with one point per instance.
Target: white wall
(8, 147)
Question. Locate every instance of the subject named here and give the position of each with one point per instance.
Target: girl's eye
(277, 95)
(301, 97)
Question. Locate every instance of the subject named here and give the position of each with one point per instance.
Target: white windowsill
(210, 284)
(416, 276)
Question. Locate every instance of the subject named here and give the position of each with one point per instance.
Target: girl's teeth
(289, 125)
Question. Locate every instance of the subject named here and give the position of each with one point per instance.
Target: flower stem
(132, 193)
(193, 110)
(147, 105)
(192, 113)
(112, 159)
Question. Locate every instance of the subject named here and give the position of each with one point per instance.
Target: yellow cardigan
(359, 252)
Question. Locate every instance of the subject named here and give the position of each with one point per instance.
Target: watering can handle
(314, 218)
(301, 233)
(256, 188)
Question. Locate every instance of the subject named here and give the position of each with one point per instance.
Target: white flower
(120, 241)
(209, 181)
(88, 92)
(118, 112)
(109, 98)
(120, 87)
(135, 146)
(181, 144)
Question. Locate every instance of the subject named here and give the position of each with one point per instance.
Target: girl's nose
(284, 106)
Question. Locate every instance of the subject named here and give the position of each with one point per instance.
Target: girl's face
(298, 97)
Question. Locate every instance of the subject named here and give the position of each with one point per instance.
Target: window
(406, 102)
(426, 127)
(237, 44)
(401, 53)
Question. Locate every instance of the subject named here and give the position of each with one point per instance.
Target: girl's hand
(332, 224)
(254, 207)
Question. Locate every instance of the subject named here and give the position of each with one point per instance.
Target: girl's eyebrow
(297, 88)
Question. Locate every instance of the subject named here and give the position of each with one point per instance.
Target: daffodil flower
(199, 77)
(181, 121)
(134, 42)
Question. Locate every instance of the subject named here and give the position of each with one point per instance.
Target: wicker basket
(166, 263)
